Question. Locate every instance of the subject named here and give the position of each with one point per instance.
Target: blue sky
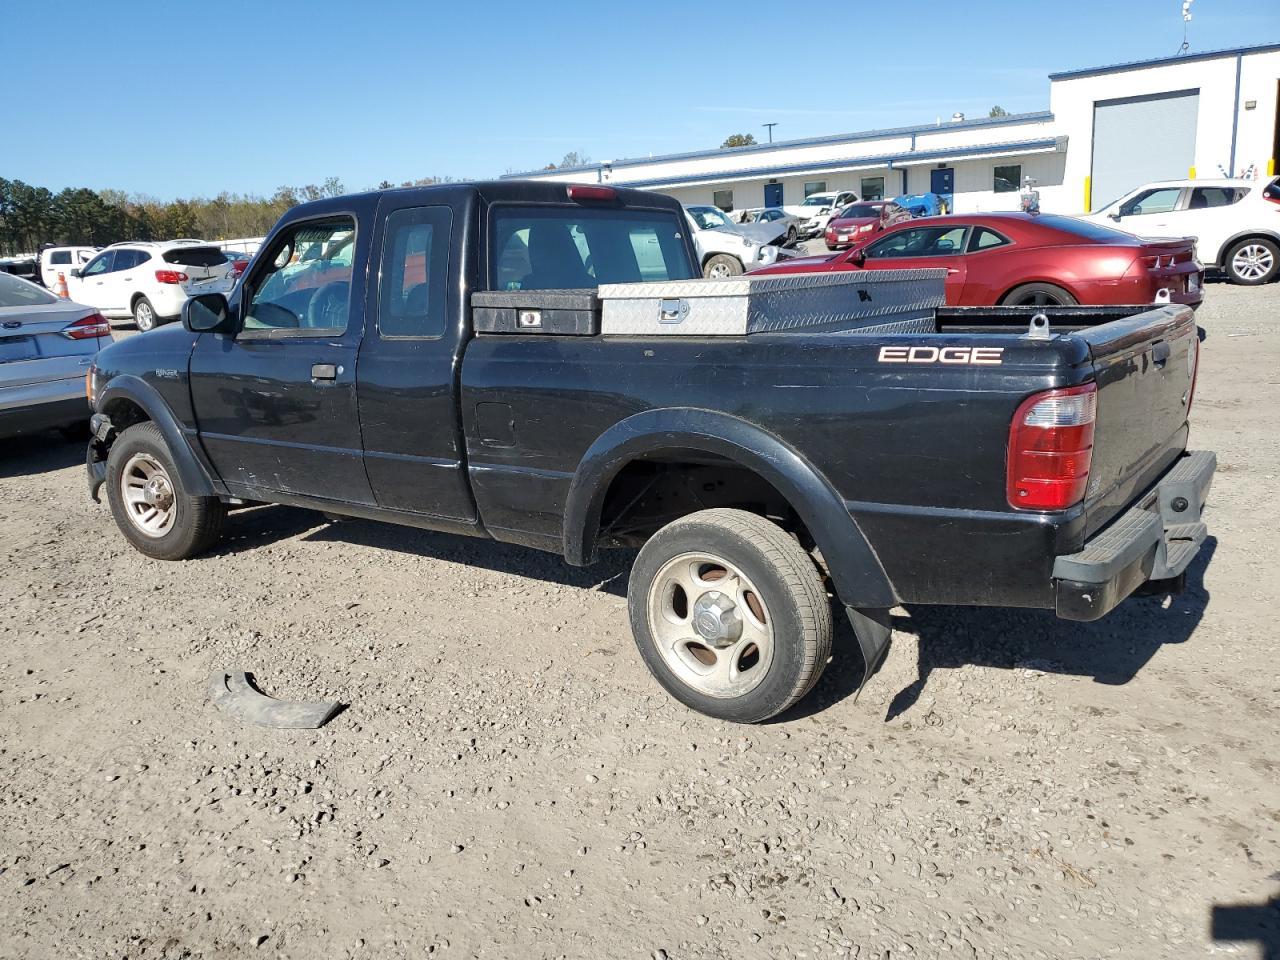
(168, 101)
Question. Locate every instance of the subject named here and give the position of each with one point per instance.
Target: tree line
(31, 216)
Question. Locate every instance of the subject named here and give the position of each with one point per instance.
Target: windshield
(860, 210)
(818, 200)
(18, 293)
(710, 218)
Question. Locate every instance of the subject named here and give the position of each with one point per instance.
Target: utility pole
(770, 127)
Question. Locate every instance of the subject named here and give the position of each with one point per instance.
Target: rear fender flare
(196, 477)
(859, 577)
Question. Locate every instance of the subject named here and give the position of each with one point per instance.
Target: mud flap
(872, 628)
(231, 691)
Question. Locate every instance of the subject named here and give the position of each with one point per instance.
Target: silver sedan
(46, 347)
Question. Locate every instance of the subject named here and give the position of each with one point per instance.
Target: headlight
(866, 228)
(748, 242)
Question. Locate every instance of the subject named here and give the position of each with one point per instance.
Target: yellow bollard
(1191, 174)
(1088, 194)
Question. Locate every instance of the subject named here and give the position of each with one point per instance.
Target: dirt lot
(509, 782)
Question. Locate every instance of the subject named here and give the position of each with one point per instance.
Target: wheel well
(719, 253)
(1226, 247)
(647, 494)
(1027, 283)
(133, 301)
(124, 413)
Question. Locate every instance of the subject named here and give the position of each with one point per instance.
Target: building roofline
(1164, 61)
(1040, 116)
(1015, 147)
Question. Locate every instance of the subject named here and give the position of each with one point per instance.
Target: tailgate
(1145, 370)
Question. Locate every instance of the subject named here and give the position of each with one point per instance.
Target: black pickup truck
(977, 459)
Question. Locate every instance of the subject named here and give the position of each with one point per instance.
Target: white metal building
(1107, 129)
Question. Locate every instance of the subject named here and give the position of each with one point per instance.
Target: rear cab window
(535, 247)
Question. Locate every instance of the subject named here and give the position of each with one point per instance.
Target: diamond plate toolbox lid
(808, 302)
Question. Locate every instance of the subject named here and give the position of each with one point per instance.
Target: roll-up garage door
(1139, 139)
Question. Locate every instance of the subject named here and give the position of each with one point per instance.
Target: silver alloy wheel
(1253, 261)
(719, 272)
(710, 625)
(144, 316)
(147, 493)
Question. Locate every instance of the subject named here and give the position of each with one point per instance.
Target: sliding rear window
(572, 248)
(195, 257)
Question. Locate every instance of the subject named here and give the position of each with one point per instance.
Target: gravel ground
(509, 782)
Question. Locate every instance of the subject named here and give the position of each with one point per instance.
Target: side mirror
(207, 313)
(75, 272)
(860, 258)
(1114, 216)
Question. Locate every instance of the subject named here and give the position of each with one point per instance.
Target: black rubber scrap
(234, 693)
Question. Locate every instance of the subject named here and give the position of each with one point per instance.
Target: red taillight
(94, 325)
(237, 266)
(1272, 192)
(583, 191)
(1051, 448)
(170, 276)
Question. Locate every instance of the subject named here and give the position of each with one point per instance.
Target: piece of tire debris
(234, 693)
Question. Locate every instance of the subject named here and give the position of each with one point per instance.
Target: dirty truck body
(888, 455)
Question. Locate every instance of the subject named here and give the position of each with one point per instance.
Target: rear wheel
(730, 615)
(721, 266)
(1253, 262)
(1039, 295)
(144, 315)
(149, 503)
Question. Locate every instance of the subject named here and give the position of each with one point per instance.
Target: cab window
(919, 242)
(555, 248)
(1158, 200)
(984, 238)
(306, 286)
(412, 288)
(100, 265)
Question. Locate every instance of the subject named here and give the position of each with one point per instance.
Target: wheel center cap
(717, 620)
(156, 492)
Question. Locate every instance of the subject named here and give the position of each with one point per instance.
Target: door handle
(324, 371)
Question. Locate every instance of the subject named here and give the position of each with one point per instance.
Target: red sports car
(1024, 259)
(859, 221)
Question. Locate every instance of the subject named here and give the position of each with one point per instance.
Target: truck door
(276, 402)
(409, 362)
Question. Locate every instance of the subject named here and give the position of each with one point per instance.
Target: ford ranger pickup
(370, 363)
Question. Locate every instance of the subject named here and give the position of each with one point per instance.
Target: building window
(723, 199)
(1008, 179)
(873, 188)
(815, 186)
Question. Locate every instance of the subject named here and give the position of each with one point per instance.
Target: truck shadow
(39, 453)
(1249, 923)
(1111, 650)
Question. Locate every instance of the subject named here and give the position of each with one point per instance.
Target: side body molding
(859, 578)
(196, 474)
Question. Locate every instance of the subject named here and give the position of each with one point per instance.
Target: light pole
(769, 127)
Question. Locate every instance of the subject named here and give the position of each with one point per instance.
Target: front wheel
(150, 505)
(144, 315)
(730, 615)
(1039, 295)
(1253, 262)
(722, 266)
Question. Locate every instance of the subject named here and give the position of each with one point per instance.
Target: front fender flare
(859, 577)
(196, 476)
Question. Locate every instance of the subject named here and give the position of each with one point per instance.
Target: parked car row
(1019, 259)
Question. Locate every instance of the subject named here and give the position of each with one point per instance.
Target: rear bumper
(1156, 539)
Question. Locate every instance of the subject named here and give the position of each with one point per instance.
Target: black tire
(791, 235)
(790, 589)
(722, 265)
(1039, 295)
(1252, 262)
(144, 315)
(197, 521)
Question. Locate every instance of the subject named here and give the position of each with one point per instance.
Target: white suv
(150, 281)
(1235, 223)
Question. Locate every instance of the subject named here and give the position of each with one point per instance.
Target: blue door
(773, 194)
(943, 183)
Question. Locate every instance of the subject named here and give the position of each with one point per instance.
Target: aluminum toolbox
(849, 300)
(563, 312)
